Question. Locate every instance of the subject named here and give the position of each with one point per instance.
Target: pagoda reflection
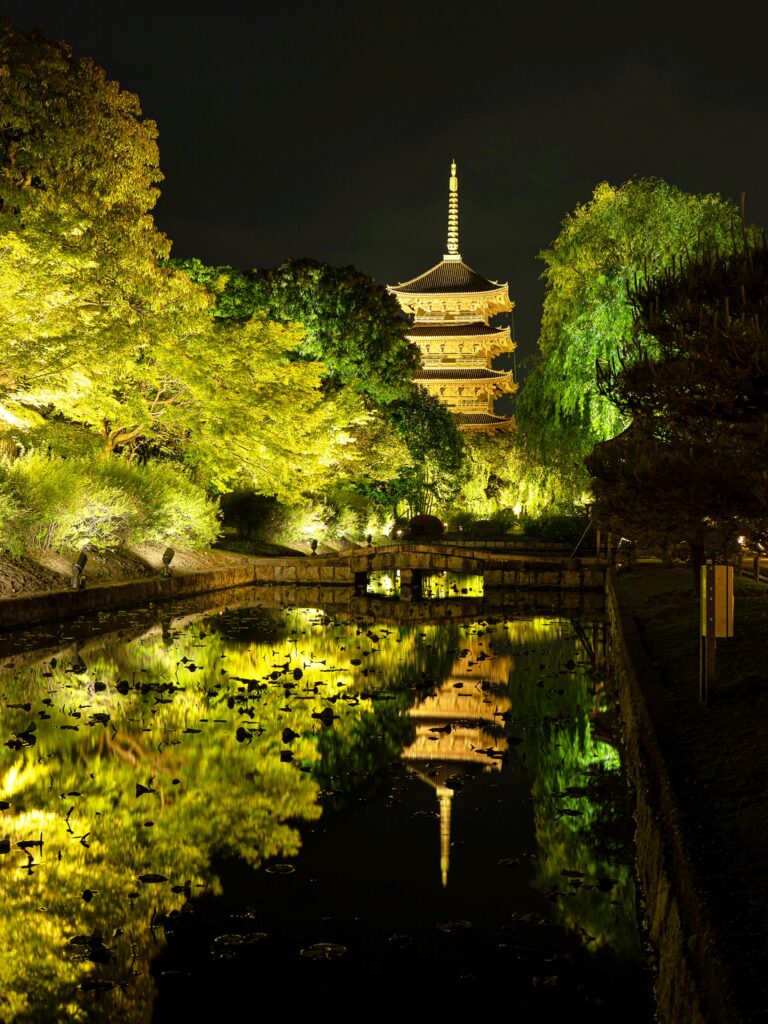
(459, 730)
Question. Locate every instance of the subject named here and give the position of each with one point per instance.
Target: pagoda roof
(482, 419)
(443, 330)
(451, 276)
(460, 373)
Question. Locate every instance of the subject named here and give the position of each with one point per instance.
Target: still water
(245, 808)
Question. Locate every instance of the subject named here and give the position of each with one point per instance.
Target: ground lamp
(77, 580)
(167, 559)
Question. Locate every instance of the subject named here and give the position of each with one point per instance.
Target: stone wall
(691, 986)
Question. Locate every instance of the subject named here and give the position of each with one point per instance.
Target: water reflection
(133, 768)
(430, 585)
(451, 584)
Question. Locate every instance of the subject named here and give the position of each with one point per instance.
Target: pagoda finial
(453, 215)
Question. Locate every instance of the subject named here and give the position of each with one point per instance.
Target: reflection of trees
(195, 715)
(563, 759)
(197, 722)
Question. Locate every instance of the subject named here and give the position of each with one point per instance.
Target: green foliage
(168, 507)
(424, 527)
(436, 449)
(409, 448)
(78, 248)
(51, 502)
(693, 378)
(349, 322)
(96, 329)
(569, 529)
(622, 235)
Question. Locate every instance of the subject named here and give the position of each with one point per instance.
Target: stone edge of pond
(693, 986)
(55, 605)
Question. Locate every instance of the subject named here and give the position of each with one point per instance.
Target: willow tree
(623, 236)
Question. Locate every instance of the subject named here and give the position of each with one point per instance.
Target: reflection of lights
(741, 540)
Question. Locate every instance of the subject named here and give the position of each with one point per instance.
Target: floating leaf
(324, 951)
(152, 877)
(237, 939)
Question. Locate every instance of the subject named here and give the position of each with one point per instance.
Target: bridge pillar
(361, 583)
(411, 584)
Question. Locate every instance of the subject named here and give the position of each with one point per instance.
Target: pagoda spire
(453, 215)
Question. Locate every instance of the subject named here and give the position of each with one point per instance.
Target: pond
(230, 805)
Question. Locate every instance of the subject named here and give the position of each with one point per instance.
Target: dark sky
(326, 129)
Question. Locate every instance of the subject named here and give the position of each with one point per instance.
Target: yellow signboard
(716, 600)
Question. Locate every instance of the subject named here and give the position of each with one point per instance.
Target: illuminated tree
(694, 381)
(95, 327)
(407, 447)
(622, 235)
(351, 324)
(79, 251)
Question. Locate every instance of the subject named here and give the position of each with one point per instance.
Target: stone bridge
(414, 561)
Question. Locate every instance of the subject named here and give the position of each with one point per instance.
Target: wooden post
(707, 671)
(598, 542)
(716, 619)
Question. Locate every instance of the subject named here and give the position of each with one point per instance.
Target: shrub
(424, 526)
(566, 527)
(64, 506)
(168, 507)
(11, 519)
(51, 502)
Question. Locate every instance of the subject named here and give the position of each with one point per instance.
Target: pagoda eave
(470, 303)
(485, 422)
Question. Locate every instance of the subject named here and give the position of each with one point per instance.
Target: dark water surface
(243, 809)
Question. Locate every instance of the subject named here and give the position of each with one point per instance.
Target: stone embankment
(707, 963)
(342, 570)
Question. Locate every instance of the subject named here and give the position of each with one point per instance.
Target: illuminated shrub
(11, 518)
(51, 502)
(168, 507)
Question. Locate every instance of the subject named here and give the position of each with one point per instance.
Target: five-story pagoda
(452, 306)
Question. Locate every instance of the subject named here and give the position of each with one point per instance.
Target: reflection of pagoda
(454, 729)
(451, 305)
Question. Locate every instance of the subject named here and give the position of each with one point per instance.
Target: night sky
(327, 129)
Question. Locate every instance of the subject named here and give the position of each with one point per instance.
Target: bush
(64, 506)
(11, 519)
(566, 527)
(168, 507)
(424, 526)
(51, 502)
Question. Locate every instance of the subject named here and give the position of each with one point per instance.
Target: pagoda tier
(470, 344)
(451, 305)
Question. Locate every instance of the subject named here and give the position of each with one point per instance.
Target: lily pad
(324, 951)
